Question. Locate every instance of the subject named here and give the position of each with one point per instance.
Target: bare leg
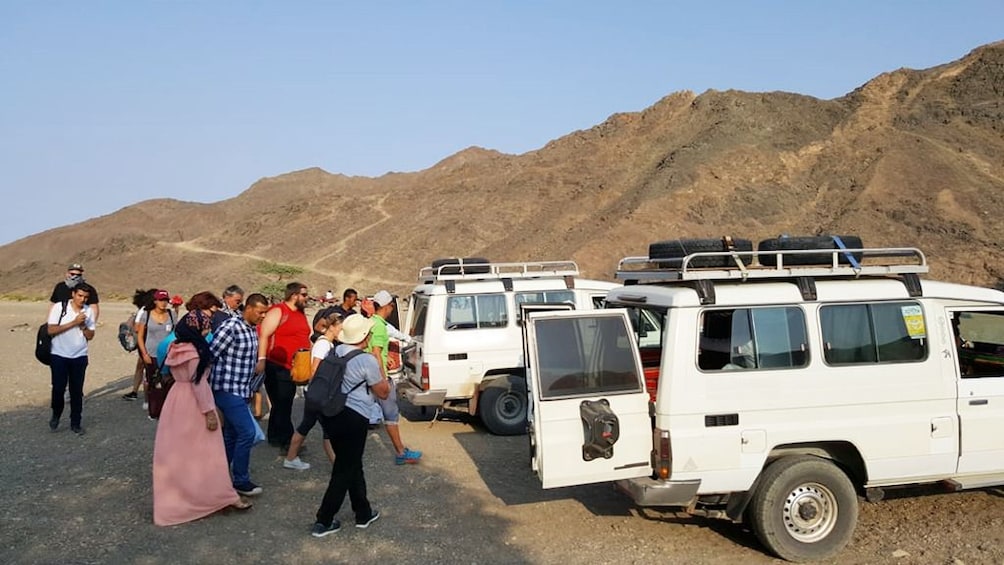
(137, 376)
(329, 450)
(394, 433)
(295, 443)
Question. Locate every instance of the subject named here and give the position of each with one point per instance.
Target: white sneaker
(295, 463)
(146, 405)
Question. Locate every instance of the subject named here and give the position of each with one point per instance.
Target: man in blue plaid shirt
(234, 379)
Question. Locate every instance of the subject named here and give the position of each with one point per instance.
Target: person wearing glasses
(233, 297)
(75, 276)
(284, 331)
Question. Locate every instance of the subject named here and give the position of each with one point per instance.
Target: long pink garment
(191, 478)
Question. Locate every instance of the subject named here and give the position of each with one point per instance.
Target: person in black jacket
(74, 278)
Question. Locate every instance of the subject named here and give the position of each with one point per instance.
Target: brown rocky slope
(910, 158)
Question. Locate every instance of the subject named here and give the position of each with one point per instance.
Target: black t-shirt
(62, 292)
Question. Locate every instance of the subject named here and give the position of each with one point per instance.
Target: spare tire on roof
(768, 257)
(670, 253)
(461, 265)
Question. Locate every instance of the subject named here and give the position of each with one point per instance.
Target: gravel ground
(473, 499)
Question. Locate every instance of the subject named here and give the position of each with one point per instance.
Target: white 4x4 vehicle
(776, 394)
(465, 320)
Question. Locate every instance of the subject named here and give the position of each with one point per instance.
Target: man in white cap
(379, 346)
(348, 429)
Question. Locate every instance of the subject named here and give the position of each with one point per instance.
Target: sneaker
(77, 430)
(130, 396)
(146, 405)
(54, 424)
(374, 516)
(248, 489)
(320, 530)
(295, 463)
(408, 456)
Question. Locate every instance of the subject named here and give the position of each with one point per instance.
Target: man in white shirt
(71, 325)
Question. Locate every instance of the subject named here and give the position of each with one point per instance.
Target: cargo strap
(850, 256)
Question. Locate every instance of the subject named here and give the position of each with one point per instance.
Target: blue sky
(105, 104)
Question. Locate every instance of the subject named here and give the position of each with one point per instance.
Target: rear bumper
(650, 492)
(419, 397)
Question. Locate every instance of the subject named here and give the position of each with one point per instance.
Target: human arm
(268, 327)
(58, 321)
(397, 334)
(141, 339)
(377, 380)
(90, 323)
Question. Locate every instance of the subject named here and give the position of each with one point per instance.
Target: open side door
(589, 418)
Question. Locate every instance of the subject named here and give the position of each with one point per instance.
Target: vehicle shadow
(737, 533)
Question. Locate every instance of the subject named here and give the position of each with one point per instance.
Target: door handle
(980, 402)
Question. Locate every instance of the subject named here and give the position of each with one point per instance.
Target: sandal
(242, 504)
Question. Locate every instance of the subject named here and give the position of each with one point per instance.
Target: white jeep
(464, 318)
(773, 394)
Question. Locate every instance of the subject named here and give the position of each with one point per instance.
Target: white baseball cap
(382, 298)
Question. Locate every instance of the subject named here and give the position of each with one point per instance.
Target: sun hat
(355, 328)
(161, 295)
(382, 298)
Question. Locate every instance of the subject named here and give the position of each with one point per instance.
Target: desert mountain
(911, 158)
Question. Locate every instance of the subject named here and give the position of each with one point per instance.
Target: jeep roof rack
(488, 271)
(904, 262)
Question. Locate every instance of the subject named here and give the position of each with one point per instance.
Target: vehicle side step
(976, 481)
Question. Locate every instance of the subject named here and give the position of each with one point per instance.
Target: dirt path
(69, 499)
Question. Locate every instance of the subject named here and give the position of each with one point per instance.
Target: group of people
(218, 354)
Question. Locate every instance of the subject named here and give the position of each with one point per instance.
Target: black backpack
(325, 394)
(43, 341)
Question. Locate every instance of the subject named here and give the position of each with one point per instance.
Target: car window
(476, 311)
(882, 332)
(579, 356)
(752, 338)
(420, 304)
(979, 339)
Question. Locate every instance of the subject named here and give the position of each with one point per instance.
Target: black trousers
(281, 390)
(70, 372)
(348, 432)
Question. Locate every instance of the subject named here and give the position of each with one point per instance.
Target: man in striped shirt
(234, 379)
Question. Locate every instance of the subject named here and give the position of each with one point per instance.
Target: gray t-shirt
(362, 368)
(156, 331)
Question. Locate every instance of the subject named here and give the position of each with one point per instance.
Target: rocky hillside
(913, 157)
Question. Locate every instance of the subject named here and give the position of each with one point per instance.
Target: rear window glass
(585, 356)
(420, 305)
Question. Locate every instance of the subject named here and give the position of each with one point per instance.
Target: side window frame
(717, 351)
(875, 350)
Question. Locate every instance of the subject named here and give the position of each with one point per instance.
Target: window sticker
(913, 318)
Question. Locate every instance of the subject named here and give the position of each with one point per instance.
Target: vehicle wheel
(807, 242)
(804, 509)
(503, 408)
(676, 249)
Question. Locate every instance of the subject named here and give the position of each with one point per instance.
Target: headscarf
(189, 330)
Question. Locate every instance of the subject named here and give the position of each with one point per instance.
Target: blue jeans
(238, 434)
(68, 371)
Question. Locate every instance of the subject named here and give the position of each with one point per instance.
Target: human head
(296, 295)
(384, 302)
(161, 298)
(80, 294)
(349, 298)
(330, 325)
(255, 308)
(74, 275)
(233, 295)
(204, 300)
(356, 330)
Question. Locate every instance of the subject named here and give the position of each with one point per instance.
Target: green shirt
(379, 338)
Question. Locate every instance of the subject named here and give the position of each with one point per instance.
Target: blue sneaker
(408, 456)
(320, 530)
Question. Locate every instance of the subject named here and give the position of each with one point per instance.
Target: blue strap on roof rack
(850, 256)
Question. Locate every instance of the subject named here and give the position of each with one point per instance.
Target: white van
(772, 395)
(465, 320)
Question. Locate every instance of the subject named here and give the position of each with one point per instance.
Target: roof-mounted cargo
(905, 263)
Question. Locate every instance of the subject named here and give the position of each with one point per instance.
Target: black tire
(805, 508)
(471, 265)
(502, 407)
(676, 249)
(807, 242)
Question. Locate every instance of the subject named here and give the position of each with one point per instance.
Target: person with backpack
(142, 300)
(71, 325)
(157, 323)
(361, 378)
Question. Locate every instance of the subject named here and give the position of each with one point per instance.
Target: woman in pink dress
(190, 474)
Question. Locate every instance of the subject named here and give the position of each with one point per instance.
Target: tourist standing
(71, 325)
(74, 277)
(284, 331)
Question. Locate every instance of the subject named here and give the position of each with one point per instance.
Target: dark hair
(256, 299)
(203, 301)
(292, 289)
(232, 290)
(349, 292)
(143, 298)
(84, 287)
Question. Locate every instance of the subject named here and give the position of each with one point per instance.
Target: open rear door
(589, 418)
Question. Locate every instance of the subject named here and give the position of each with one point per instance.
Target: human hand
(259, 367)
(211, 422)
(147, 359)
(80, 319)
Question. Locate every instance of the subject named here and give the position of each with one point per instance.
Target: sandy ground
(473, 499)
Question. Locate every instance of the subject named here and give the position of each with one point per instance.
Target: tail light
(663, 454)
(425, 376)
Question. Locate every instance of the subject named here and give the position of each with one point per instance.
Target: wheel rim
(810, 512)
(509, 406)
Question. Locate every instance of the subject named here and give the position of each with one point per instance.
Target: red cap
(161, 295)
(177, 300)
